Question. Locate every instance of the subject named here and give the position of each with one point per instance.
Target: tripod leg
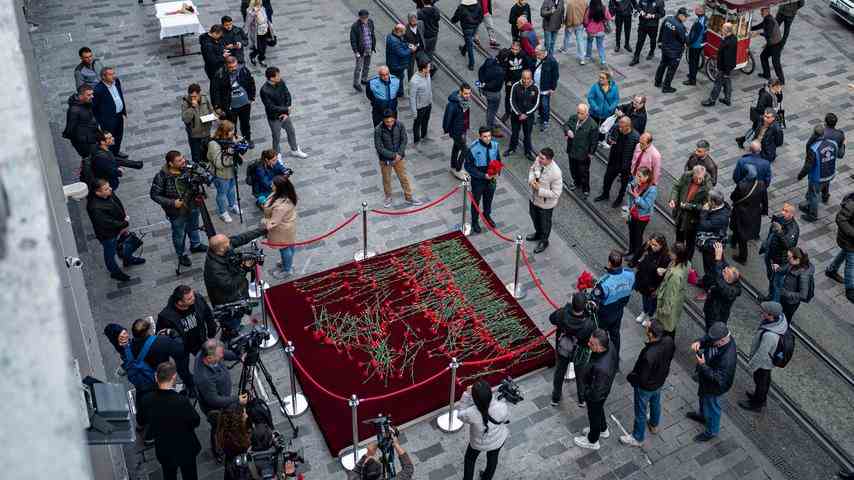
(208, 227)
(278, 398)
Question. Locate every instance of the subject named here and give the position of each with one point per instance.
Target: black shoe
(617, 203)
(508, 152)
(541, 247)
(809, 218)
(740, 142)
(533, 237)
(749, 395)
(133, 261)
(617, 49)
(262, 64)
(750, 406)
(530, 155)
(657, 84)
(825, 200)
(849, 294)
(725, 101)
(692, 415)
(252, 60)
(650, 56)
(634, 62)
(835, 276)
(689, 82)
(846, 475)
(364, 82)
(601, 198)
(200, 248)
(765, 76)
(708, 103)
(702, 437)
(357, 88)
(489, 221)
(628, 48)
(184, 260)
(120, 276)
(462, 50)
(475, 228)
(668, 89)
(585, 194)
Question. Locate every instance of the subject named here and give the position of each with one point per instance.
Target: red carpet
(377, 327)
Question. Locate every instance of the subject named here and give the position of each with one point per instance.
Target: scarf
(465, 104)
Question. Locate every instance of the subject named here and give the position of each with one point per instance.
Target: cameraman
(225, 276)
(370, 467)
(188, 316)
(222, 157)
(170, 190)
(264, 439)
(213, 382)
(575, 325)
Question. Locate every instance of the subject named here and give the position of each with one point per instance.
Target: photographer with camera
(170, 190)
(575, 324)
(487, 418)
(188, 317)
(213, 382)
(225, 275)
(224, 156)
(370, 465)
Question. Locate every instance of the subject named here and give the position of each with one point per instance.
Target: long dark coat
(747, 210)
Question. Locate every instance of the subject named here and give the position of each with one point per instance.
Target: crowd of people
(527, 72)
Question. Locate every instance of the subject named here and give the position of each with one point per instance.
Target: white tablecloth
(176, 25)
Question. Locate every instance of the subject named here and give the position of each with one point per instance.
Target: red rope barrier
(316, 239)
(416, 210)
(406, 389)
(537, 280)
(483, 217)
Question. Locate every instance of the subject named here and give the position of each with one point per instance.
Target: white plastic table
(178, 25)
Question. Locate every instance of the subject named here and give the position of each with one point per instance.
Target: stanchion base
(515, 290)
(347, 458)
(272, 339)
(446, 426)
(465, 229)
(253, 289)
(360, 255)
(295, 409)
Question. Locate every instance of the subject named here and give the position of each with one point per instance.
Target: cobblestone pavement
(333, 125)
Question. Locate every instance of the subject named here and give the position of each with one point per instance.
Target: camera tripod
(248, 377)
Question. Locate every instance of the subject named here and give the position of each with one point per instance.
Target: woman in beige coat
(280, 218)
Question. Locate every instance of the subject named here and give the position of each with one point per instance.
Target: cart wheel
(711, 70)
(751, 64)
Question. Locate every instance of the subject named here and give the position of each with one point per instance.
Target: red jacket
(528, 39)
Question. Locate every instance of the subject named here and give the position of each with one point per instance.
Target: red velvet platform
(417, 307)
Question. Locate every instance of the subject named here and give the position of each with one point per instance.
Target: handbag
(272, 39)
(128, 242)
(607, 27)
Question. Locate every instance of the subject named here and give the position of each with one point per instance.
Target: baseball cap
(772, 308)
(682, 11)
(364, 13)
(717, 331)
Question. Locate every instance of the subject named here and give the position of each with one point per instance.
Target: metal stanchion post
(272, 335)
(449, 422)
(350, 459)
(364, 253)
(465, 227)
(514, 288)
(295, 404)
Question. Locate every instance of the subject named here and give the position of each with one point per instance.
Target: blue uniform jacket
(383, 95)
(478, 158)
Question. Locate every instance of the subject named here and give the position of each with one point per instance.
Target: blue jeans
(183, 227)
(650, 304)
(287, 258)
(110, 254)
(580, 40)
(641, 398)
(225, 190)
(600, 45)
(775, 279)
(710, 409)
(469, 38)
(549, 39)
(545, 108)
(848, 258)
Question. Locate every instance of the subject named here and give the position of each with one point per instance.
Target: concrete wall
(47, 322)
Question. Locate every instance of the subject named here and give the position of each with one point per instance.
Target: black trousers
(419, 126)
(526, 126)
(611, 173)
(507, 110)
(723, 81)
(623, 23)
(667, 70)
(482, 190)
(188, 471)
(458, 152)
(118, 131)
(561, 366)
(243, 113)
(773, 52)
(636, 228)
(789, 310)
(786, 23)
(688, 236)
(762, 379)
(198, 148)
(596, 417)
(708, 267)
(694, 63)
(579, 168)
(542, 220)
(471, 459)
(84, 149)
(742, 248)
(645, 32)
(260, 50)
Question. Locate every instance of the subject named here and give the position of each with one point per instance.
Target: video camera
(250, 341)
(268, 463)
(509, 390)
(236, 148)
(196, 175)
(247, 260)
(386, 434)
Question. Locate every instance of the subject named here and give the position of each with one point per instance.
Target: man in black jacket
(770, 30)
(163, 348)
(582, 138)
(225, 279)
(650, 12)
(716, 356)
(213, 51)
(845, 242)
(363, 42)
(169, 190)
(574, 327)
(672, 39)
(770, 135)
(232, 94)
(711, 228)
(647, 378)
(277, 105)
(623, 141)
(430, 16)
(514, 60)
(548, 73)
(188, 316)
(490, 77)
(622, 11)
(636, 110)
(234, 38)
(727, 60)
(172, 423)
(598, 377)
(524, 100)
(110, 221)
(723, 287)
(104, 164)
(782, 236)
(81, 127)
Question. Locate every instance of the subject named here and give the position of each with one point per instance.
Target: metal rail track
(693, 310)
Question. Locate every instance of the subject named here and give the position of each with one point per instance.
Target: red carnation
(494, 168)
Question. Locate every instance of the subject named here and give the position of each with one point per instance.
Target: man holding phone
(715, 372)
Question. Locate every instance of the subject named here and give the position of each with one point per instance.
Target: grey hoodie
(765, 343)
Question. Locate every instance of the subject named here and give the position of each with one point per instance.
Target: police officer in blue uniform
(481, 152)
(672, 39)
(612, 293)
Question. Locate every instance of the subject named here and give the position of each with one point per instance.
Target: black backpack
(251, 173)
(785, 348)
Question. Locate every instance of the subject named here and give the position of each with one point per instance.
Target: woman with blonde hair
(222, 159)
(260, 30)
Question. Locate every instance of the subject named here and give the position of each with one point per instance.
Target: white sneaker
(570, 372)
(299, 153)
(630, 440)
(641, 318)
(583, 62)
(235, 210)
(604, 434)
(583, 443)
(387, 202)
(225, 217)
